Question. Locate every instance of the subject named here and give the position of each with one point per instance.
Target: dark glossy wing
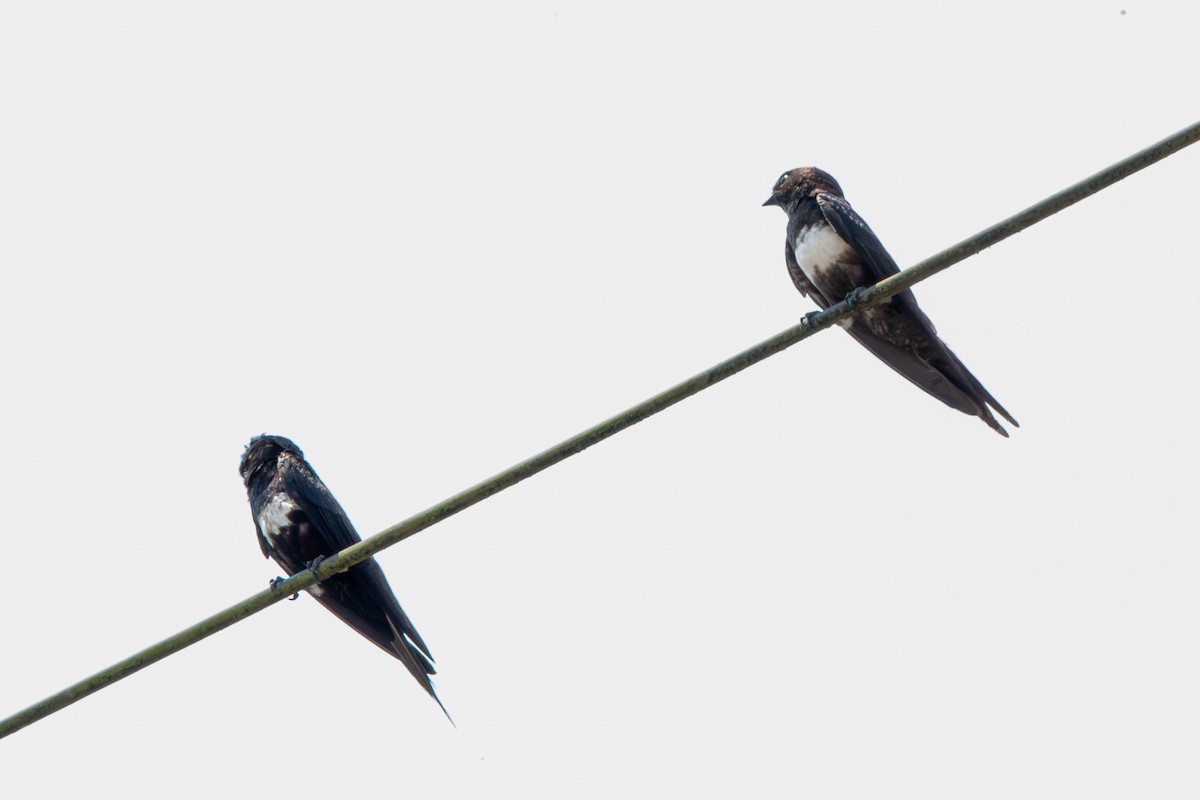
(932, 366)
(942, 376)
(326, 514)
(955, 367)
(851, 227)
(875, 258)
(938, 371)
(320, 506)
(360, 596)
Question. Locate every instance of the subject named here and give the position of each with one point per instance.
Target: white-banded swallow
(299, 522)
(831, 252)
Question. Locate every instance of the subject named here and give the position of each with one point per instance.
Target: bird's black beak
(773, 200)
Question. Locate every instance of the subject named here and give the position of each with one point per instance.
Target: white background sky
(427, 244)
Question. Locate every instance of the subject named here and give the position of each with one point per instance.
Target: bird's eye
(782, 180)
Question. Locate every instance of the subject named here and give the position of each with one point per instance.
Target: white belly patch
(817, 249)
(274, 516)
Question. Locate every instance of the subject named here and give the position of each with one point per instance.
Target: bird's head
(263, 451)
(799, 184)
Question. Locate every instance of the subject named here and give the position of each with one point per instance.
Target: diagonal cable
(598, 433)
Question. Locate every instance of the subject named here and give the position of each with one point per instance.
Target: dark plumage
(298, 520)
(830, 252)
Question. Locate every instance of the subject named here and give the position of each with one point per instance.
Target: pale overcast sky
(428, 243)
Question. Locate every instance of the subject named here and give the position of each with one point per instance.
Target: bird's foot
(807, 320)
(276, 581)
(316, 562)
(854, 297)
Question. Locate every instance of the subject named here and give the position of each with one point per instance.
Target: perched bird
(831, 253)
(299, 524)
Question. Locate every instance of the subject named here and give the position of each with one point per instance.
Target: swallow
(832, 255)
(300, 523)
